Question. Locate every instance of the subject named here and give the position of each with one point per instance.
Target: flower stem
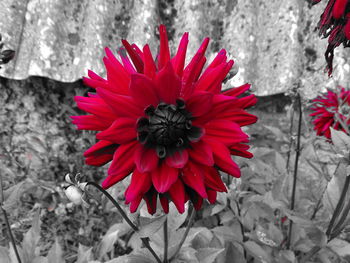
(338, 208)
(7, 222)
(145, 240)
(165, 231)
(295, 175)
(190, 222)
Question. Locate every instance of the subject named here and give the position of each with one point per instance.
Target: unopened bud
(68, 179)
(74, 194)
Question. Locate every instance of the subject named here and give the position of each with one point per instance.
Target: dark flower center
(168, 128)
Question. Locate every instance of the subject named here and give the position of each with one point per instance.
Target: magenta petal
(146, 159)
(193, 177)
(178, 159)
(201, 153)
(139, 185)
(143, 90)
(164, 177)
(177, 195)
(123, 130)
(168, 84)
(199, 103)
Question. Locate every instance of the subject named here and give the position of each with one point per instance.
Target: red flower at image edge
(168, 124)
(335, 25)
(329, 110)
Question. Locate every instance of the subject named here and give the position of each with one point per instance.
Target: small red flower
(168, 124)
(335, 25)
(331, 109)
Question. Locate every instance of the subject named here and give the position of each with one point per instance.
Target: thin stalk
(7, 222)
(190, 222)
(295, 175)
(339, 226)
(291, 137)
(330, 234)
(166, 244)
(339, 207)
(145, 240)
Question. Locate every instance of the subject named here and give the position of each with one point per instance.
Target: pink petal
(201, 153)
(122, 131)
(151, 200)
(122, 106)
(164, 177)
(199, 103)
(168, 84)
(146, 159)
(177, 159)
(234, 92)
(143, 90)
(135, 204)
(212, 179)
(193, 177)
(223, 159)
(126, 61)
(135, 58)
(139, 185)
(226, 132)
(101, 148)
(164, 202)
(211, 196)
(123, 160)
(179, 59)
(177, 195)
(164, 52)
(150, 66)
(90, 122)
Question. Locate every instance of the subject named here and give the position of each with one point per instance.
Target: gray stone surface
(273, 42)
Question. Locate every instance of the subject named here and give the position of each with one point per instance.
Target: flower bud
(74, 194)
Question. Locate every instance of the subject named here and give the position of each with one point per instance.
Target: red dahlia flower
(335, 25)
(167, 124)
(331, 110)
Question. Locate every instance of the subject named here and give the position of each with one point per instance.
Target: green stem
(190, 222)
(144, 240)
(165, 232)
(295, 175)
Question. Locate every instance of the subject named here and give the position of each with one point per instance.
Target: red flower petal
(139, 185)
(168, 84)
(164, 177)
(178, 60)
(136, 59)
(164, 202)
(201, 153)
(240, 150)
(223, 159)
(122, 164)
(101, 148)
(123, 130)
(99, 160)
(177, 195)
(143, 90)
(193, 177)
(122, 106)
(199, 103)
(90, 122)
(150, 66)
(164, 52)
(135, 204)
(151, 200)
(146, 159)
(211, 196)
(347, 32)
(234, 92)
(212, 179)
(241, 117)
(177, 159)
(339, 8)
(126, 62)
(95, 106)
(226, 132)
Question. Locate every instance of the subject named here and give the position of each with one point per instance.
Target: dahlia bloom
(165, 123)
(331, 109)
(335, 25)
